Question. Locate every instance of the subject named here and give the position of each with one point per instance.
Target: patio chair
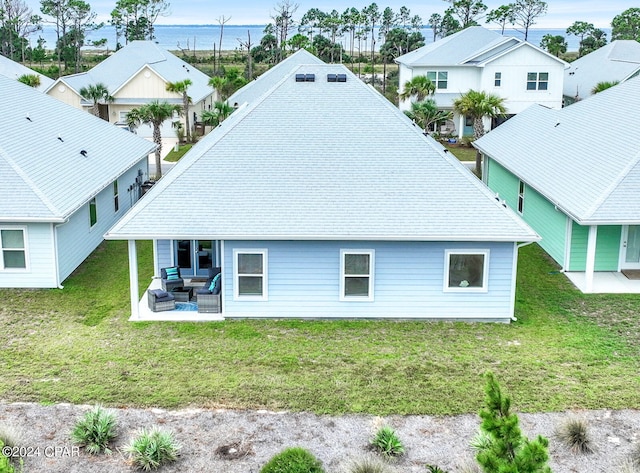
(208, 297)
(160, 300)
(171, 279)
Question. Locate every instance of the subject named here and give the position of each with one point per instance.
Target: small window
(13, 250)
(116, 204)
(468, 121)
(537, 81)
(250, 274)
(497, 81)
(356, 270)
(520, 197)
(466, 270)
(93, 212)
(439, 78)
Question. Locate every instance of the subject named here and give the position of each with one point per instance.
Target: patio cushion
(212, 286)
(159, 293)
(172, 274)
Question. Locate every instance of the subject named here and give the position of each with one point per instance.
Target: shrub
(95, 430)
(367, 464)
(5, 464)
(152, 448)
(293, 460)
(10, 435)
(574, 433)
(386, 442)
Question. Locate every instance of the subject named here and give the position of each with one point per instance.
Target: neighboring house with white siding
(135, 75)
(617, 61)
(574, 176)
(481, 59)
(321, 199)
(15, 70)
(67, 177)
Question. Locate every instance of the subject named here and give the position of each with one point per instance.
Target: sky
(560, 14)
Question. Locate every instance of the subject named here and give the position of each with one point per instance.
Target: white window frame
(343, 276)
(24, 248)
(436, 80)
(236, 274)
(521, 194)
(537, 81)
(470, 252)
(116, 196)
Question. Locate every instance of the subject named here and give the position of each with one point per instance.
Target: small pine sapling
(507, 449)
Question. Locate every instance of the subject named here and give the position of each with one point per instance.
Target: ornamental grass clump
(574, 433)
(95, 430)
(293, 460)
(387, 442)
(152, 449)
(367, 464)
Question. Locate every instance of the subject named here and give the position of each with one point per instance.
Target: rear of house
(321, 199)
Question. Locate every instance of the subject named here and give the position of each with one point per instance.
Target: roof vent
(305, 77)
(28, 117)
(83, 153)
(60, 138)
(336, 78)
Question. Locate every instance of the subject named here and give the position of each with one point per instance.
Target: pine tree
(507, 450)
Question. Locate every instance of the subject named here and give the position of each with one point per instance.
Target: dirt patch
(229, 441)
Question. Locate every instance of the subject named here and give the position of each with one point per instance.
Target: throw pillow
(172, 274)
(212, 286)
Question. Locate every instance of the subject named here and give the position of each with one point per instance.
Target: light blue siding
(41, 270)
(304, 281)
(76, 239)
(164, 254)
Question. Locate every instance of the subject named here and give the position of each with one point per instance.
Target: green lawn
(174, 155)
(463, 153)
(566, 351)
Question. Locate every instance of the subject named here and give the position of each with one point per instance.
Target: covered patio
(602, 282)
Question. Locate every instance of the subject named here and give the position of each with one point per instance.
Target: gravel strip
(220, 440)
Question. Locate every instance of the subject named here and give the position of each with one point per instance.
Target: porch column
(133, 280)
(461, 122)
(591, 258)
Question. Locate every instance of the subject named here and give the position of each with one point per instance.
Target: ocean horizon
(206, 37)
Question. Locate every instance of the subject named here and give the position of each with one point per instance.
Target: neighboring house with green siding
(574, 176)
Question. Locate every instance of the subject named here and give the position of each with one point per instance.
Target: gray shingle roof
(45, 178)
(617, 61)
(119, 68)
(14, 70)
(320, 160)
(583, 158)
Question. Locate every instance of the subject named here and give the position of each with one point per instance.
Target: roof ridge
(36, 190)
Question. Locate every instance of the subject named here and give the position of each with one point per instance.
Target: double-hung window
(537, 81)
(93, 212)
(439, 78)
(13, 249)
(497, 79)
(521, 197)
(116, 202)
(356, 275)
(250, 274)
(466, 270)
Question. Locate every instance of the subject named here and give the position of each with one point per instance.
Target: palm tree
(154, 113)
(32, 80)
(419, 87)
(426, 113)
(97, 93)
(181, 87)
(600, 86)
(221, 110)
(477, 105)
